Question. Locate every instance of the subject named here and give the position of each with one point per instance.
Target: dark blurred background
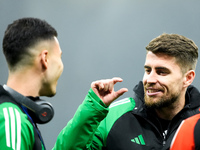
(100, 39)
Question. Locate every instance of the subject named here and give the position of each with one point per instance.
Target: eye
(162, 72)
(147, 70)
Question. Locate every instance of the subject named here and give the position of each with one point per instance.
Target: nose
(150, 78)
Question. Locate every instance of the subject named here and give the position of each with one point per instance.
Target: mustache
(153, 86)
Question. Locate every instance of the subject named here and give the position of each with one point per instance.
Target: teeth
(152, 91)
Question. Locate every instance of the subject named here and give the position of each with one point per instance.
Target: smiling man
(150, 118)
(165, 84)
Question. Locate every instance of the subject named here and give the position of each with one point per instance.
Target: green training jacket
(84, 130)
(18, 132)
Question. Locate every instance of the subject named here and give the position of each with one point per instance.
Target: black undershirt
(164, 123)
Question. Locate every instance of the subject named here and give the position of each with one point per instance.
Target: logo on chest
(138, 140)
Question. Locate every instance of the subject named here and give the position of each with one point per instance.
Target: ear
(189, 77)
(44, 59)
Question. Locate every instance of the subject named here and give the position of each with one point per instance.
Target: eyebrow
(164, 68)
(146, 66)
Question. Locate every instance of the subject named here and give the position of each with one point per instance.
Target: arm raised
(104, 89)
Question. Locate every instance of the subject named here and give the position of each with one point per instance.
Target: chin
(48, 93)
(51, 94)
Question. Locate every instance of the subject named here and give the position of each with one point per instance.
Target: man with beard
(151, 117)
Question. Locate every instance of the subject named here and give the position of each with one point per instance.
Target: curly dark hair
(183, 49)
(23, 34)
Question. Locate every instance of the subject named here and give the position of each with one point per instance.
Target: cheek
(61, 67)
(57, 65)
(144, 79)
(176, 84)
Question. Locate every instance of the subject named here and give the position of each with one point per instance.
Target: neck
(24, 82)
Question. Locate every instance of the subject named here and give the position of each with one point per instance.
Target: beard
(164, 101)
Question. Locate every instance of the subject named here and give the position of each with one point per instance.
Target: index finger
(117, 79)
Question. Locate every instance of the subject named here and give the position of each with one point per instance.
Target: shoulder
(118, 108)
(187, 134)
(13, 114)
(189, 124)
(192, 119)
(10, 109)
(123, 103)
(15, 125)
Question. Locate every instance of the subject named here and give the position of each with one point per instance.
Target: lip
(152, 92)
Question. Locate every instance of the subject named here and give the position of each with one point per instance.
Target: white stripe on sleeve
(18, 129)
(7, 130)
(12, 127)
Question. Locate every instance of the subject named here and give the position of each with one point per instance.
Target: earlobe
(190, 75)
(44, 59)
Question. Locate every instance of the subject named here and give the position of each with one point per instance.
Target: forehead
(161, 60)
(56, 45)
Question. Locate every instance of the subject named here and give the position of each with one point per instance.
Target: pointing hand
(104, 89)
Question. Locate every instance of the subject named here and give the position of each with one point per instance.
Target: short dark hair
(183, 49)
(21, 35)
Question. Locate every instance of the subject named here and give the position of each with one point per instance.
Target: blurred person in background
(188, 135)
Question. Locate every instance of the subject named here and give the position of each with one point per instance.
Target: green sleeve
(80, 130)
(16, 130)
